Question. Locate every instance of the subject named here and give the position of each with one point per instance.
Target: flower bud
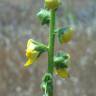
(52, 4)
(65, 34)
(44, 16)
(62, 60)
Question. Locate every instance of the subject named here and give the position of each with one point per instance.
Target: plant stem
(51, 49)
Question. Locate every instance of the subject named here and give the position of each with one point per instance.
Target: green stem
(51, 49)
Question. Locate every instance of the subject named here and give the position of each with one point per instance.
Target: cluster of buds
(61, 60)
(44, 14)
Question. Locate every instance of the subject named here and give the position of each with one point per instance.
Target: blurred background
(18, 23)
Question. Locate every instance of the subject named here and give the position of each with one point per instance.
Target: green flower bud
(47, 78)
(65, 34)
(44, 16)
(62, 60)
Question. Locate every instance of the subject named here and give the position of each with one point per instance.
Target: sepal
(44, 16)
(61, 60)
(47, 78)
(46, 83)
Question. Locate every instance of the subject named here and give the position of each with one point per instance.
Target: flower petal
(30, 44)
(28, 63)
(32, 58)
(63, 73)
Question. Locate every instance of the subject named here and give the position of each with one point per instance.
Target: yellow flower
(63, 73)
(31, 53)
(52, 4)
(67, 36)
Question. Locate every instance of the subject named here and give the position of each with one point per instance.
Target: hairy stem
(51, 49)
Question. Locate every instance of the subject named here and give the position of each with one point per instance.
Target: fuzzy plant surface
(57, 63)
